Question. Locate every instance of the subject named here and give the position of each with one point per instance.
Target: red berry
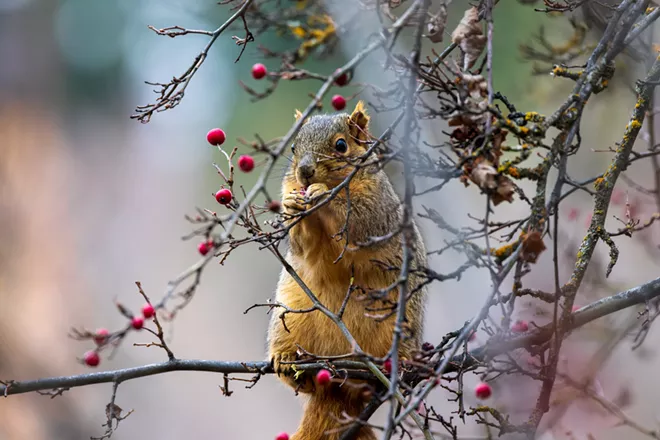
(575, 308)
(323, 377)
(148, 310)
(520, 326)
(427, 346)
(205, 246)
(483, 390)
(101, 336)
(223, 196)
(216, 137)
(342, 79)
(246, 163)
(92, 359)
(258, 71)
(282, 436)
(338, 102)
(137, 322)
(274, 206)
(388, 366)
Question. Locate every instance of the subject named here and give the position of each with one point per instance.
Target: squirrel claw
(293, 204)
(315, 191)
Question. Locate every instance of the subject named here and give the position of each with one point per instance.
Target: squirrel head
(325, 142)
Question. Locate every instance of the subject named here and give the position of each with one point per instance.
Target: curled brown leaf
(499, 187)
(469, 37)
(532, 246)
(473, 112)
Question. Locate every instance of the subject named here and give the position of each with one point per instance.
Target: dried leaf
(475, 102)
(499, 187)
(484, 175)
(505, 191)
(476, 116)
(476, 84)
(435, 28)
(469, 37)
(463, 133)
(532, 246)
(499, 136)
(113, 412)
(464, 179)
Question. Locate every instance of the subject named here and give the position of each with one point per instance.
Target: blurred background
(92, 201)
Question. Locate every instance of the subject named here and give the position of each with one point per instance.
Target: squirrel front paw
(298, 201)
(293, 203)
(315, 192)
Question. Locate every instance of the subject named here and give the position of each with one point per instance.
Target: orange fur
(314, 249)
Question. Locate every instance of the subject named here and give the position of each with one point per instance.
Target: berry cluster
(246, 163)
(338, 102)
(102, 336)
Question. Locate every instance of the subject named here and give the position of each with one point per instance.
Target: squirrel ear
(358, 122)
(297, 114)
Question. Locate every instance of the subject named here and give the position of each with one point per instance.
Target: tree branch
(596, 310)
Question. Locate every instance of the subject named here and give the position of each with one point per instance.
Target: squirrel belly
(313, 256)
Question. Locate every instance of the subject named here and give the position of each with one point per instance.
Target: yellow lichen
(298, 31)
(529, 116)
(558, 70)
(315, 36)
(504, 251)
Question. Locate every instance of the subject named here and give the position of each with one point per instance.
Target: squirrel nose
(306, 171)
(306, 167)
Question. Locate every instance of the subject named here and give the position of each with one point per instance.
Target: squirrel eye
(293, 148)
(341, 146)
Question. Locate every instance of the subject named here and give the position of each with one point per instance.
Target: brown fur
(375, 211)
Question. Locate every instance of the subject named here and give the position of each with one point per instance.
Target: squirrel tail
(323, 414)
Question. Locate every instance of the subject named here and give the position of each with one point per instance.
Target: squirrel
(322, 151)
